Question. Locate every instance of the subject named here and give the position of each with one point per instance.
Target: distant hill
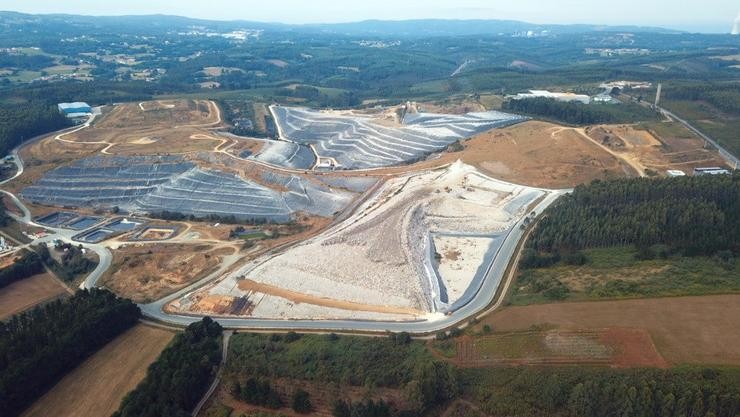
(438, 27)
(10, 21)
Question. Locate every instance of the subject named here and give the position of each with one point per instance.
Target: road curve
(105, 257)
(483, 298)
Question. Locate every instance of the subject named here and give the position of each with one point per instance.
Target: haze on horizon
(714, 16)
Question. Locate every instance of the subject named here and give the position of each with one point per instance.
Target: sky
(691, 15)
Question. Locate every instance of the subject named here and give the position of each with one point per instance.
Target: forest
(391, 362)
(584, 391)
(40, 346)
(27, 62)
(725, 97)
(576, 113)
(28, 264)
(20, 123)
(181, 375)
(429, 386)
(692, 215)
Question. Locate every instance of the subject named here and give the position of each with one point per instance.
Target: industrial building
(75, 110)
(557, 96)
(710, 171)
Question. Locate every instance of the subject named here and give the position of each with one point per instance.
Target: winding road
(482, 299)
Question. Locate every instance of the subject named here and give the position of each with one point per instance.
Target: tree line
(25, 62)
(40, 346)
(5, 220)
(691, 215)
(19, 123)
(584, 391)
(181, 375)
(576, 113)
(725, 97)
(27, 265)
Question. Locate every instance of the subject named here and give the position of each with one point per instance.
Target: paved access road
(731, 159)
(482, 299)
(65, 235)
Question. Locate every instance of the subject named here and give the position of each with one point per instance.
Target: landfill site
(386, 213)
(384, 260)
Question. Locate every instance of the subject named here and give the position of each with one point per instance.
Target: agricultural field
(685, 330)
(28, 292)
(616, 347)
(98, 385)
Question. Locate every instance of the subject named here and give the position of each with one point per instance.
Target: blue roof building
(74, 108)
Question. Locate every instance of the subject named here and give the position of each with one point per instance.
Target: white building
(557, 96)
(710, 171)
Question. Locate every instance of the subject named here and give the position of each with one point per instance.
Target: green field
(717, 125)
(613, 273)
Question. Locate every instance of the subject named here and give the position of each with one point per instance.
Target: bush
(27, 265)
(557, 292)
(575, 258)
(302, 402)
(259, 392)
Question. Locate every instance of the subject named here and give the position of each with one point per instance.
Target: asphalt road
(731, 159)
(481, 300)
(104, 255)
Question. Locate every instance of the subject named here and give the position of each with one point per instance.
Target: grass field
(721, 127)
(616, 273)
(26, 293)
(545, 345)
(685, 330)
(96, 387)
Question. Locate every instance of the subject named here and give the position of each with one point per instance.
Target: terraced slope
(153, 184)
(285, 154)
(358, 142)
(201, 193)
(101, 181)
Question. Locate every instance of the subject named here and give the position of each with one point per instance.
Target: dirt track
(685, 329)
(297, 297)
